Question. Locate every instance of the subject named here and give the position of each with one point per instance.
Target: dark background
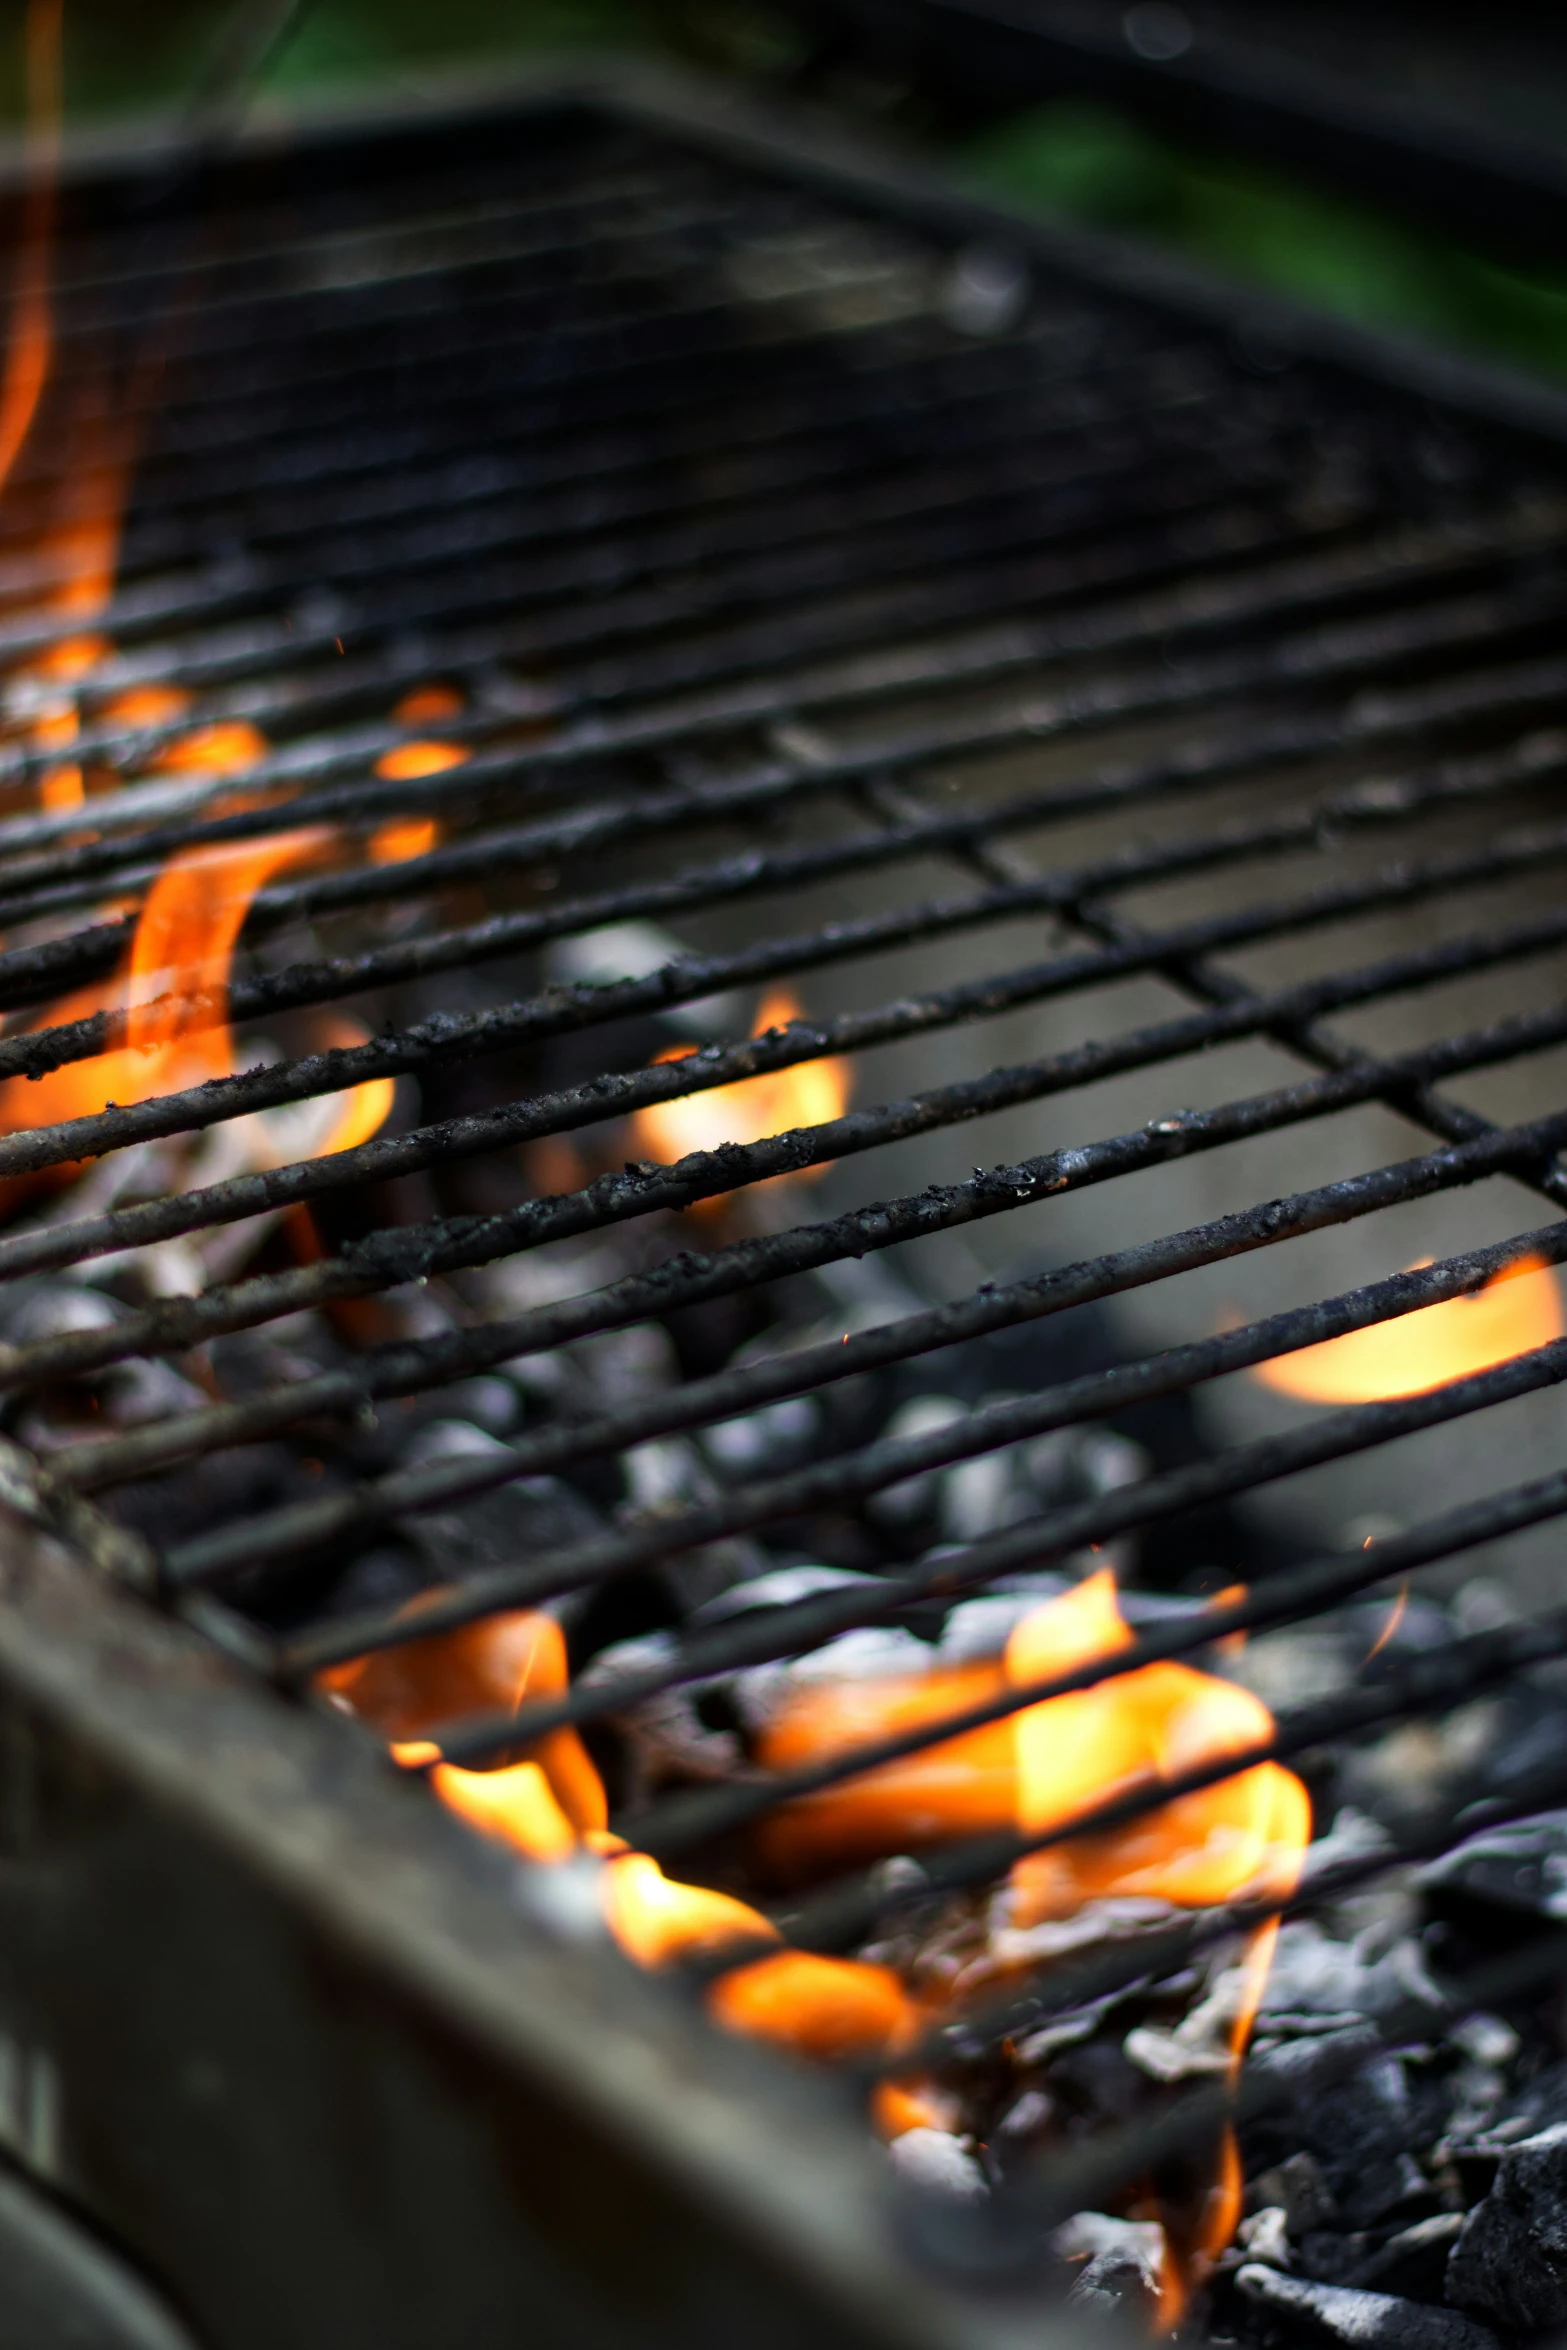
(1098, 145)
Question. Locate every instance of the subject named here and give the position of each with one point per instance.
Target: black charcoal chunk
(1362, 2130)
(1510, 2262)
(1333, 2314)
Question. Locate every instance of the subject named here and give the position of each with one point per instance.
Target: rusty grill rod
(511, 504)
(388, 1258)
(317, 775)
(1434, 1682)
(764, 1637)
(568, 1010)
(1065, 1985)
(412, 1366)
(682, 1822)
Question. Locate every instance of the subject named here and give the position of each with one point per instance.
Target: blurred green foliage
(1084, 161)
(1093, 164)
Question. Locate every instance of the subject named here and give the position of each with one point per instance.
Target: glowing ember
(402, 838)
(750, 1110)
(551, 1804)
(406, 760)
(1245, 1834)
(656, 1920)
(1516, 1310)
(228, 747)
(427, 705)
(1039, 1768)
(1042, 1768)
(147, 705)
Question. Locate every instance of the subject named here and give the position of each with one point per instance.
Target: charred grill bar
(848, 574)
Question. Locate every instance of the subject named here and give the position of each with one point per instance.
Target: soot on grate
(586, 728)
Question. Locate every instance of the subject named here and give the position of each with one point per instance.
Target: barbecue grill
(1130, 718)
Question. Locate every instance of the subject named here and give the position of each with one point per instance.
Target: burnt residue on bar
(746, 584)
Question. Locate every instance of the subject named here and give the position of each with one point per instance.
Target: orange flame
(403, 837)
(407, 760)
(227, 747)
(426, 705)
(30, 344)
(1039, 1770)
(174, 993)
(1518, 1309)
(489, 1667)
(147, 705)
(551, 1804)
(750, 1110)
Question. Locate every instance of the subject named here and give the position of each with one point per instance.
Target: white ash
(776, 1437)
(1118, 2282)
(939, 2163)
(1312, 1974)
(969, 1499)
(1201, 2043)
(1265, 2235)
(635, 950)
(1088, 2233)
(1341, 2314)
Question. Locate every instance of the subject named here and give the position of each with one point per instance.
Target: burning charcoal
(938, 2162)
(1522, 1866)
(1510, 2262)
(1414, 2262)
(667, 1474)
(387, 1577)
(1361, 2321)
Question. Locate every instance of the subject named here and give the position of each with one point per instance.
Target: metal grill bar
(809, 1623)
(409, 1368)
(752, 564)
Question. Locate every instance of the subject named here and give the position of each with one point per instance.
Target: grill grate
(1078, 669)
